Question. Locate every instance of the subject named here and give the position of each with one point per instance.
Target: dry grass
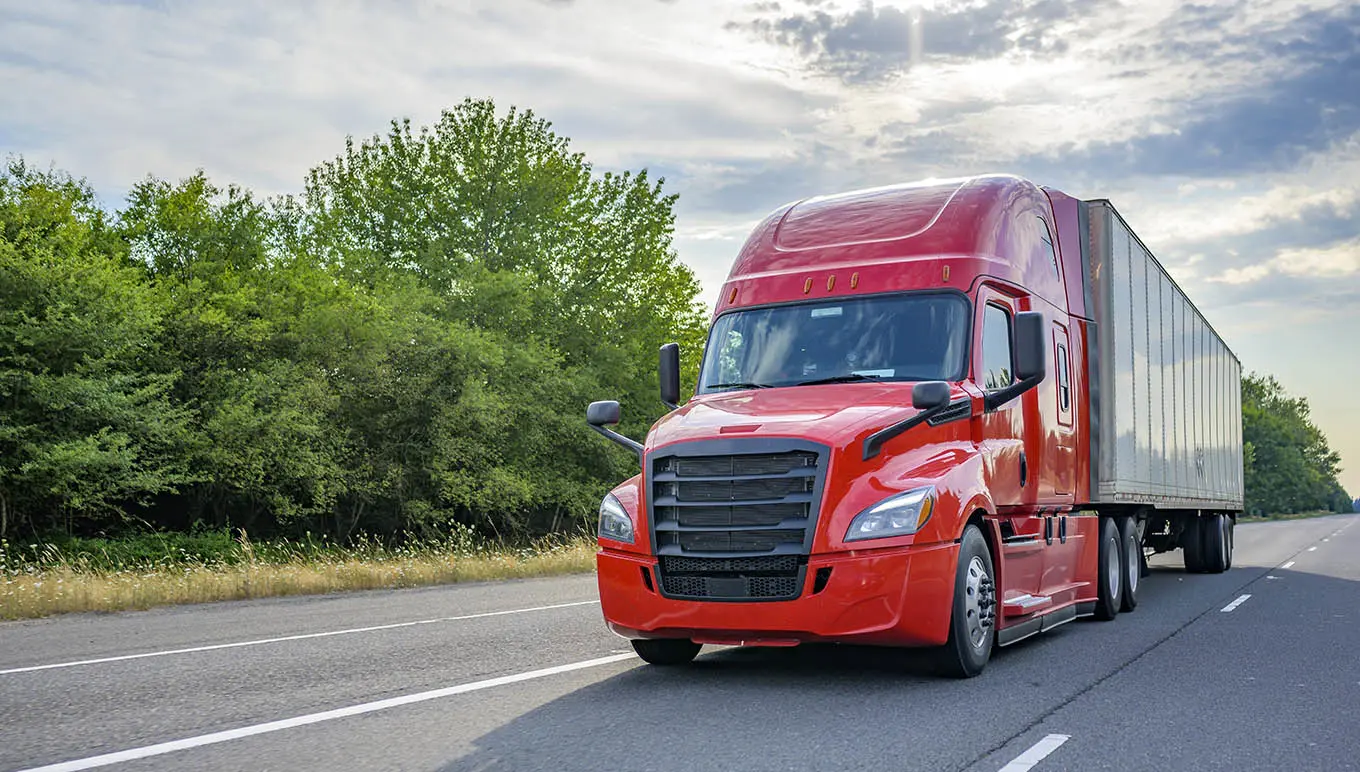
(70, 587)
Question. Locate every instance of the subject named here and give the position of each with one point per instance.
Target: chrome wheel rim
(1112, 570)
(1134, 567)
(1228, 539)
(978, 601)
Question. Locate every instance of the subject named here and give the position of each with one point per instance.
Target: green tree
(1289, 466)
(88, 429)
(497, 215)
(253, 331)
(553, 286)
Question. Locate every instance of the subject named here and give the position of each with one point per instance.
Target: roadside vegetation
(141, 572)
(366, 377)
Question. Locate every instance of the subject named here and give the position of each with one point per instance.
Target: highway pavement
(1256, 668)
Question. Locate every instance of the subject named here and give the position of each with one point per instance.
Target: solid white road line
(161, 749)
(1287, 565)
(1240, 600)
(1036, 753)
(327, 634)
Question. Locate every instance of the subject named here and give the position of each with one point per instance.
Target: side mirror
(603, 413)
(606, 412)
(1030, 346)
(929, 395)
(668, 370)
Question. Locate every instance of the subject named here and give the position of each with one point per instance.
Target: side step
(1025, 604)
(1043, 624)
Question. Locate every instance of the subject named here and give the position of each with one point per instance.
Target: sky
(1227, 134)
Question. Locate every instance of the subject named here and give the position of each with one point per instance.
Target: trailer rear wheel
(1110, 572)
(1131, 562)
(666, 651)
(1192, 545)
(1229, 523)
(972, 624)
(1215, 544)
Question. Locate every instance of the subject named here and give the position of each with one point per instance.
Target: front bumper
(897, 597)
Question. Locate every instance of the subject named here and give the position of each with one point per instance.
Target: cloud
(875, 42)
(1298, 93)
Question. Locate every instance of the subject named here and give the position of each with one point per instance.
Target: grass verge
(42, 580)
(1294, 516)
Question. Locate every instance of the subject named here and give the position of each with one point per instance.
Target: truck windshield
(908, 337)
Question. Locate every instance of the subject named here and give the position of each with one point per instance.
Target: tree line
(411, 341)
(408, 343)
(1289, 467)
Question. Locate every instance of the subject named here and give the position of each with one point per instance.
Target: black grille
(956, 411)
(732, 541)
(735, 490)
(743, 464)
(743, 515)
(761, 587)
(779, 564)
(734, 526)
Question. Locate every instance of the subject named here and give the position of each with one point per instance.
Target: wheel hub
(979, 602)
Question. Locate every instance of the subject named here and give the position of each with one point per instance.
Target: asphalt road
(524, 676)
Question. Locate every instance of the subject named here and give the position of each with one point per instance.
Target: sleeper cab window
(996, 348)
(1064, 385)
(1047, 237)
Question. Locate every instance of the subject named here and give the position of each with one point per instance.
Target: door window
(997, 368)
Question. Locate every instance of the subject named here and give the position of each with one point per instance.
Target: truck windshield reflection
(902, 337)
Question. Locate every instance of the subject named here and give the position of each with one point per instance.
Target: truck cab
(890, 442)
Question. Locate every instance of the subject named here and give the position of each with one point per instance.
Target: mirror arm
(996, 399)
(670, 406)
(632, 445)
(874, 442)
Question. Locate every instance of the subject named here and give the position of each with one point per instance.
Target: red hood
(834, 413)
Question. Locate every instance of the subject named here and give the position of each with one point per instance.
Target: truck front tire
(1110, 571)
(972, 622)
(666, 651)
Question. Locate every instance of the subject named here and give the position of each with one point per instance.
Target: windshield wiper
(739, 386)
(849, 378)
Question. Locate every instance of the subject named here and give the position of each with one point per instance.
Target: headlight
(897, 515)
(614, 521)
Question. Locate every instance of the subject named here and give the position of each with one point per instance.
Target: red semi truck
(949, 414)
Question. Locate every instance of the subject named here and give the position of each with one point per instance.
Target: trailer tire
(1192, 545)
(1110, 571)
(1229, 523)
(972, 621)
(666, 651)
(1214, 543)
(1131, 563)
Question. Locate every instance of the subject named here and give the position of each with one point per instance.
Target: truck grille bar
(734, 519)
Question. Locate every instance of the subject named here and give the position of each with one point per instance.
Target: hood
(834, 414)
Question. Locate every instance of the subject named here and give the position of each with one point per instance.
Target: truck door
(1000, 437)
(1064, 531)
(1058, 472)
